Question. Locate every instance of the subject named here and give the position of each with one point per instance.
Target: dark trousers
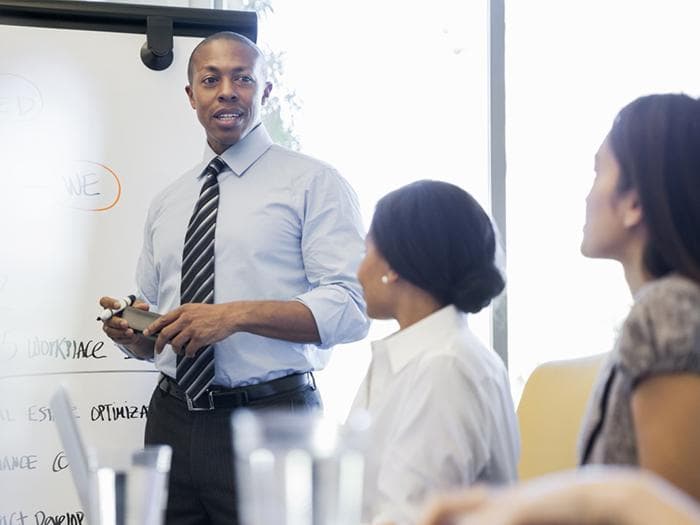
(202, 479)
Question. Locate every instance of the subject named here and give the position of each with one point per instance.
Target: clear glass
(129, 488)
(570, 66)
(298, 468)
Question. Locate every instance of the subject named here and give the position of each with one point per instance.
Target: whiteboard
(88, 135)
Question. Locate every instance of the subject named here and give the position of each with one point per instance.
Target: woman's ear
(391, 276)
(631, 208)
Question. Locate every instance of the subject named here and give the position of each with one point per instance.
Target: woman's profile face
(372, 268)
(606, 231)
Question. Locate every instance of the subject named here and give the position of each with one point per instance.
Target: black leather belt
(216, 397)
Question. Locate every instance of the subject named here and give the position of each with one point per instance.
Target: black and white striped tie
(195, 374)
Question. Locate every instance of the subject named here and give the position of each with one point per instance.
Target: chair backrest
(550, 412)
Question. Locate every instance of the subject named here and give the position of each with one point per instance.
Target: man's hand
(195, 325)
(190, 327)
(116, 328)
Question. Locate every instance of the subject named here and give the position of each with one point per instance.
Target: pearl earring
(385, 279)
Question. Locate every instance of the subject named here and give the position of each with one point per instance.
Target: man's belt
(215, 397)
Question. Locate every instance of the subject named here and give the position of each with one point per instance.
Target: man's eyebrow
(215, 69)
(212, 69)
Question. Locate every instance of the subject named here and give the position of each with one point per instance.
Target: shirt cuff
(339, 315)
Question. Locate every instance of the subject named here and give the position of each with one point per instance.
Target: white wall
(87, 136)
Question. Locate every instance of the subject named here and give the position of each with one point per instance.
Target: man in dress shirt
(288, 242)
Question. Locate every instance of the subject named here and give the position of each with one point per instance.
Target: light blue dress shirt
(288, 228)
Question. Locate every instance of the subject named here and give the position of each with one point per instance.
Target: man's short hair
(221, 35)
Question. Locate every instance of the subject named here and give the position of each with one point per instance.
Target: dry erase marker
(108, 313)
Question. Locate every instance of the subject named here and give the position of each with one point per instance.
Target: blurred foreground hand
(588, 496)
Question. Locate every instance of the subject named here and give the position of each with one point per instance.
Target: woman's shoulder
(662, 332)
(670, 288)
(667, 306)
(464, 355)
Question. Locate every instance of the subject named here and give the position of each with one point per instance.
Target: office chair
(550, 413)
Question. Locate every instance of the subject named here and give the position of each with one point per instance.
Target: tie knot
(215, 167)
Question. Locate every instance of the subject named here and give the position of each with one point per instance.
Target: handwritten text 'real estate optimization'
(100, 412)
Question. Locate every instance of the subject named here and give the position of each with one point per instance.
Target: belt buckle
(192, 408)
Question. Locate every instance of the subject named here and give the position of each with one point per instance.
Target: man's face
(227, 90)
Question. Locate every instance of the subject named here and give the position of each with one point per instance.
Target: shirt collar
(243, 154)
(420, 338)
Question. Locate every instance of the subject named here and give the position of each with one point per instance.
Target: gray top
(661, 335)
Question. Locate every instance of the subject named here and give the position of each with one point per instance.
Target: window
(388, 94)
(570, 66)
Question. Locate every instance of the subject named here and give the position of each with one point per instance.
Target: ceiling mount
(157, 51)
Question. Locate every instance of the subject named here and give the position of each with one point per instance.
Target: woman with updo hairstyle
(439, 399)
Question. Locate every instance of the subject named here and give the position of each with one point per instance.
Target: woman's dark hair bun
(475, 291)
(437, 237)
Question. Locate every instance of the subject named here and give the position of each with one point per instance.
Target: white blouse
(442, 417)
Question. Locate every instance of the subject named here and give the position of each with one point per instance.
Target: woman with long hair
(643, 211)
